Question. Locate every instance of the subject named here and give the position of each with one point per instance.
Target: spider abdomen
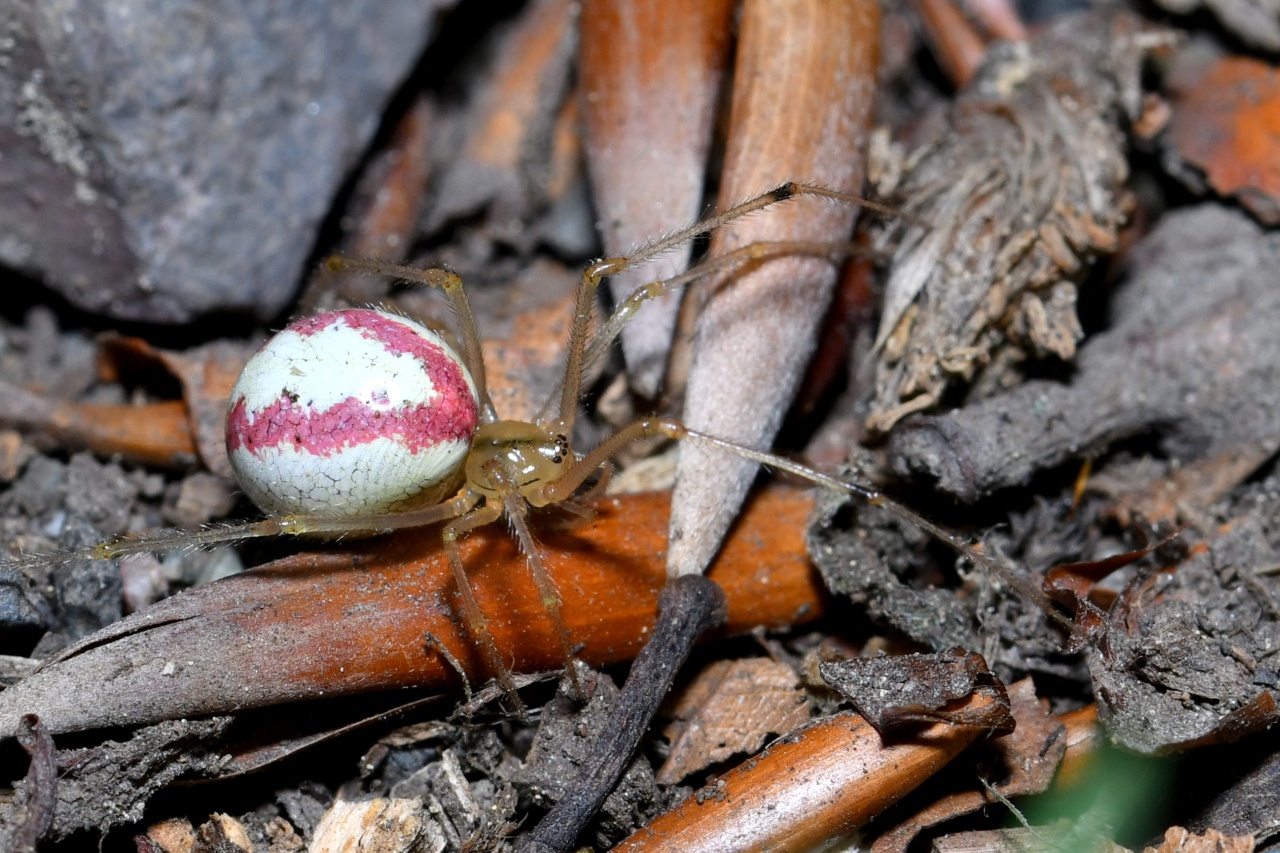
(348, 413)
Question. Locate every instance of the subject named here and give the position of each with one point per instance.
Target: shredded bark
(1005, 211)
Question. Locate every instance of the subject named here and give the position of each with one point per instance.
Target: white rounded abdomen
(350, 413)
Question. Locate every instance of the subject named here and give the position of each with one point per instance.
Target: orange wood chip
(1227, 124)
(372, 615)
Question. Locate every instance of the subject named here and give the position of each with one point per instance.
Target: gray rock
(164, 159)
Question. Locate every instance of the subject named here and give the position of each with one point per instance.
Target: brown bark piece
(495, 164)
(1226, 124)
(730, 707)
(1189, 656)
(805, 83)
(651, 72)
(354, 617)
(1005, 211)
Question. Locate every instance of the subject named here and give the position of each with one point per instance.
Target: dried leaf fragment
(1020, 193)
(1027, 758)
(914, 688)
(207, 374)
(730, 708)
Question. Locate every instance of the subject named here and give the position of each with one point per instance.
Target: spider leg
(600, 485)
(875, 497)
(517, 511)
(579, 331)
(477, 624)
(433, 642)
(751, 252)
(317, 525)
(598, 347)
(583, 514)
(563, 488)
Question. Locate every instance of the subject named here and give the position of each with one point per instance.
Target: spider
(331, 430)
(331, 446)
(447, 457)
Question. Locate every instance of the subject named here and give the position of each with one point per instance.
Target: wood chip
(175, 835)
(1223, 126)
(377, 826)
(1179, 840)
(730, 708)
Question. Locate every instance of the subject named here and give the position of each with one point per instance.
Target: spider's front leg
(473, 615)
(516, 507)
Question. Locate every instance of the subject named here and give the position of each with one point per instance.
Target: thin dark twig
(687, 606)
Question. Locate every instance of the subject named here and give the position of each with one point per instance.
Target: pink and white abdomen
(350, 413)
